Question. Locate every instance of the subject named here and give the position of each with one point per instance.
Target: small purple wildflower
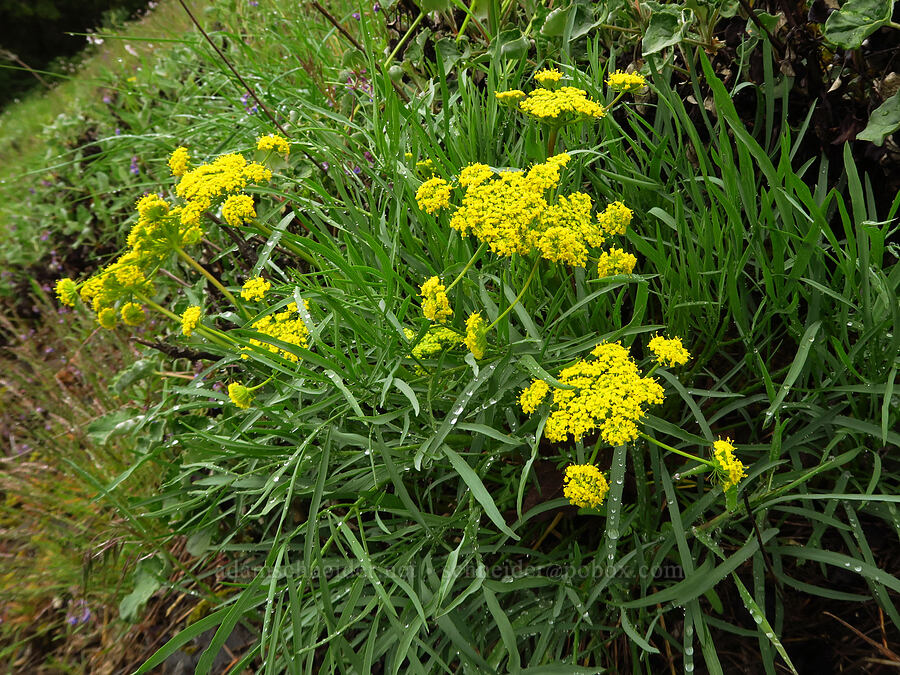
(134, 168)
(118, 131)
(376, 8)
(369, 158)
(45, 235)
(325, 166)
(107, 99)
(355, 15)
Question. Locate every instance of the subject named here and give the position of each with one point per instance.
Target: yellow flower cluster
(119, 280)
(669, 352)
(433, 195)
(615, 218)
(225, 175)
(286, 326)
(615, 261)
(476, 335)
(436, 340)
(533, 395)
(622, 81)
(474, 174)
(180, 161)
(255, 289)
(511, 96)
(548, 76)
(609, 394)
(561, 106)
(585, 486)
(67, 291)
(190, 320)
(274, 142)
(732, 470)
(238, 209)
(509, 211)
(240, 395)
(435, 303)
(133, 314)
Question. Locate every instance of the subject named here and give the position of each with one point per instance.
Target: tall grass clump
(503, 367)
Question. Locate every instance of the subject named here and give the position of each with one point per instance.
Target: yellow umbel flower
(129, 276)
(224, 175)
(238, 209)
(180, 161)
(133, 314)
(548, 77)
(568, 230)
(510, 97)
(615, 261)
(731, 468)
(669, 351)
(585, 486)
(274, 142)
(255, 289)
(287, 326)
(476, 335)
(615, 218)
(107, 318)
(190, 320)
(435, 303)
(436, 340)
(475, 174)
(433, 195)
(66, 291)
(563, 105)
(609, 395)
(533, 395)
(622, 81)
(240, 395)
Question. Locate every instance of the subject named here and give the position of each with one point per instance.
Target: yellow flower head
(435, 303)
(615, 261)
(255, 289)
(238, 209)
(533, 395)
(510, 97)
(152, 207)
(133, 314)
(190, 319)
(609, 394)
(669, 352)
(436, 340)
(548, 77)
(180, 161)
(129, 276)
(66, 291)
(287, 326)
(622, 81)
(615, 218)
(274, 142)
(240, 395)
(425, 167)
(731, 468)
(563, 105)
(433, 195)
(476, 335)
(107, 318)
(475, 174)
(585, 486)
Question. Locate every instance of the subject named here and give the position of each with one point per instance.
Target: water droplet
(758, 618)
(612, 534)
(689, 667)
(857, 568)
(688, 651)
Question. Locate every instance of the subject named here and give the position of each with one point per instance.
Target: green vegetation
(334, 459)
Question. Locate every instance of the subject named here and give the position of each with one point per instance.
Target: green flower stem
(518, 297)
(212, 335)
(551, 140)
(614, 101)
(402, 42)
(669, 448)
(261, 384)
(469, 264)
(652, 369)
(215, 282)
